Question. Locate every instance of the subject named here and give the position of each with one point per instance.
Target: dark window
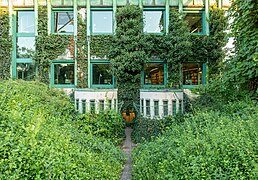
(156, 108)
(194, 22)
(192, 73)
(101, 105)
(25, 22)
(25, 71)
(153, 21)
(102, 74)
(174, 107)
(147, 107)
(64, 74)
(102, 21)
(63, 22)
(165, 108)
(92, 106)
(154, 74)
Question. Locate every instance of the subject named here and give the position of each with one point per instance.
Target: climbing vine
(127, 55)
(48, 46)
(5, 45)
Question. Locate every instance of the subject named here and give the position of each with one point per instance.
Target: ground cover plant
(41, 137)
(207, 144)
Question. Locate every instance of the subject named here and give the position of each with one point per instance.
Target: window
(147, 107)
(25, 47)
(102, 22)
(192, 73)
(92, 106)
(63, 22)
(101, 105)
(174, 107)
(153, 21)
(194, 22)
(156, 108)
(24, 39)
(154, 74)
(25, 71)
(165, 108)
(63, 74)
(102, 74)
(142, 106)
(84, 106)
(77, 104)
(25, 22)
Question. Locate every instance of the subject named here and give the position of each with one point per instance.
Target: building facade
(64, 17)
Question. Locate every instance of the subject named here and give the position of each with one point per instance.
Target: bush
(40, 138)
(108, 124)
(207, 145)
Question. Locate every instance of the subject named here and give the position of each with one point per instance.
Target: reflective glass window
(192, 73)
(25, 47)
(156, 108)
(147, 107)
(153, 21)
(25, 71)
(165, 108)
(102, 21)
(25, 22)
(194, 22)
(102, 74)
(64, 74)
(63, 22)
(154, 74)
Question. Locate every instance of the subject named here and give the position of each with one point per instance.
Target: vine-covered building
(65, 43)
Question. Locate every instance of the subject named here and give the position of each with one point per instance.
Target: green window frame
(67, 74)
(191, 78)
(151, 77)
(23, 67)
(150, 15)
(107, 21)
(194, 29)
(68, 22)
(97, 79)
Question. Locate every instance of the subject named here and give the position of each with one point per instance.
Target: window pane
(63, 22)
(63, 74)
(194, 22)
(165, 108)
(156, 108)
(25, 71)
(153, 21)
(25, 47)
(154, 74)
(192, 73)
(25, 23)
(102, 74)
(102, 22)
(147, 107)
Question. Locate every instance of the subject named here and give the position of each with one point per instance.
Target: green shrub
(207, 145)
(40, 139)
(108, 124)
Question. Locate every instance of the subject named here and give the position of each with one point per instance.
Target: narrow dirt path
(127, 148)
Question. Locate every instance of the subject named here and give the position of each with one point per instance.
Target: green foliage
(5, 45)
(41, 138)
(242, 68)
(82, 53)
(147, 129)
(212, 144)
(107, 124)
(48, 46)
(127, 54)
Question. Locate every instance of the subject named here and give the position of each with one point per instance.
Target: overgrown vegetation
(5, 45)
(41, 138)
(207, 144)
(127, 55)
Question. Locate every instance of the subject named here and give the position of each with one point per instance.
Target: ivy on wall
(127, 55)
(82, 53)
(5, 45)
(48, 46)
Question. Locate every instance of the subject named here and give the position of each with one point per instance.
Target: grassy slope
(41, 138)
